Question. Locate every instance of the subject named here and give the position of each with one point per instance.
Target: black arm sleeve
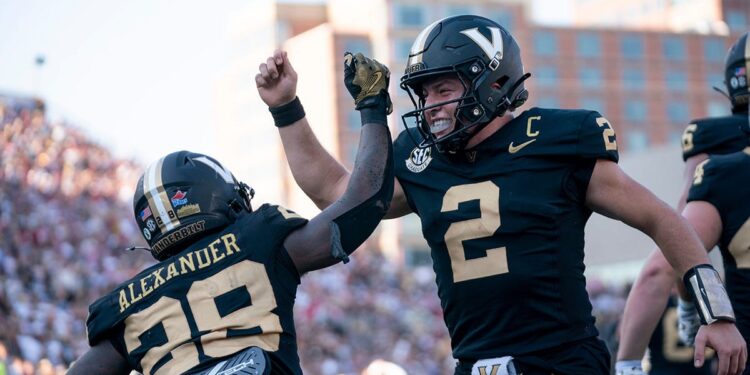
(336, 232)
(371, 186)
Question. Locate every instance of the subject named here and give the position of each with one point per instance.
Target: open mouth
(439, 126)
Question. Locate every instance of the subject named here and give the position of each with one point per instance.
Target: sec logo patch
(419, 159)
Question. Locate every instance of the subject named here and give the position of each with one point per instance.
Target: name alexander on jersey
(199, 259)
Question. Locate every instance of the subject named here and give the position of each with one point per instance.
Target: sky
(138, 76)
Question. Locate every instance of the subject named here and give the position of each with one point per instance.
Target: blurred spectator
(63, 225)
(381, 367)
(351, 314)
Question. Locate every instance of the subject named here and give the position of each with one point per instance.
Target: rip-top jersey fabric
(505, 225)
(229, 291)
(715, 135)
(722, 181)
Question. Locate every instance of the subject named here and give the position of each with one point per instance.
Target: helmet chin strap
(457, 141)
(736, 108)
(133, 248)
(247, 193)
(722, 92)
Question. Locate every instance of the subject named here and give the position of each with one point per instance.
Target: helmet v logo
(219, 170)
(493, 49)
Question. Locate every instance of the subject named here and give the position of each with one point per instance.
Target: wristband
(373, 116)
(376, 111)
(710, 297)
(288, 113)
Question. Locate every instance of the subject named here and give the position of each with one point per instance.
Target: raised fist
(276, 80)
(367, 81)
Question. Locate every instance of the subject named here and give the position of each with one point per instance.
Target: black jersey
(227, 292)
(716, 135)
(668, 355)
(505, 225)
(723, 181)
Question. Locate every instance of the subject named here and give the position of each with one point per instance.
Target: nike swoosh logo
(513, 149)
(378, 75)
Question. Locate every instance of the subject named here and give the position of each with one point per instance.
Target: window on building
(548, 101)
(457, 10)
(588, 44)
(713, 49)
(637, 140)
(678, 112)
(675, 136)
(408, 15)
(590, 77)
(716, 108)
(354, 120)
(635, 111)
(355, 45)
(673, 48)
(676, 79)
(545, 43)
(736, 20)
(715, 77)
(631, 46)
(401, 48)
(504, 18)
(633, 78)
(546, 76)
(592, 104)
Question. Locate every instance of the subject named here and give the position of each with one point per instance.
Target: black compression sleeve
(351, 229)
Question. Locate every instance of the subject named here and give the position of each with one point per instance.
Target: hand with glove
(367, 81)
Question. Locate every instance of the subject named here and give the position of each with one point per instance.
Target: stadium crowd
(63, 228)
(65, 220)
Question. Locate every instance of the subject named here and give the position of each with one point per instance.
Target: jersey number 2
(495, 262)
(608, 134)
(262, 326)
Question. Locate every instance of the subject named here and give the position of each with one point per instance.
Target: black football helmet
(481, 53)
(736, 74)
(182, 197)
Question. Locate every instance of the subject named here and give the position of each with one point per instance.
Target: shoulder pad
(273, 223)
(407, 139)
(713, 178)
(280, 216)
(579, 133)
(103, 317)
(721, 135)
(597, 138)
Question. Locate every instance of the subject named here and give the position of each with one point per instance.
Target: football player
(668, 354)
(503, 202)
(711, 136)
(220, 299)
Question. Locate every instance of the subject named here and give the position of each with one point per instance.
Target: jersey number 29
(255, 324)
